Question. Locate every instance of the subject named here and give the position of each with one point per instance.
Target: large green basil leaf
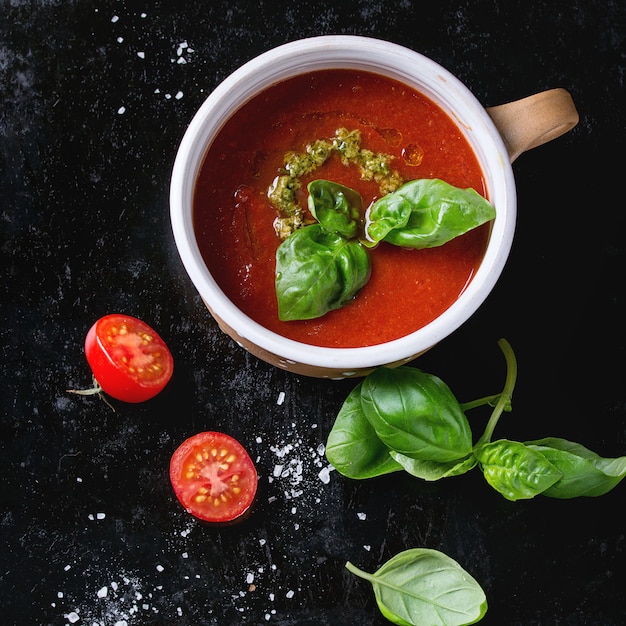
(353, 447)
(514, 470)
(318, 271)
(416, 414)
(585, 473)
(425, 213)
(337, 208)
(422, 587)
(434, 470)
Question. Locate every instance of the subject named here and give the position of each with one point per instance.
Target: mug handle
(535, 120)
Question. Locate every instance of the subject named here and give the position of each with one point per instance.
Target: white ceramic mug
(497, 136)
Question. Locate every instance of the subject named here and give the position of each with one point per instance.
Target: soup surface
(234, 218)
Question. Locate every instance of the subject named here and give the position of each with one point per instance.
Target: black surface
(85, 231)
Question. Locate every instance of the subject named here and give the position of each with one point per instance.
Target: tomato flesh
(128, 358)
(213, 477)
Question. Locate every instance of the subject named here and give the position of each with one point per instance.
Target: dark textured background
(85, 497)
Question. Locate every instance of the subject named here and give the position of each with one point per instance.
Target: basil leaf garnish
(423, 586)
(337, 208)
(433, 470)
(318, 271)
(585, 473)
(416, 414)
(353, 448)
(426, 213)
(515, 470)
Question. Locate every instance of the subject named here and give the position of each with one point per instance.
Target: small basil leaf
(585, 473)
(337, 208)
(416, 414)
(353, 448)
(318, 271)
(426, 213)
(514, 470)
(434, 470)
(423, 586)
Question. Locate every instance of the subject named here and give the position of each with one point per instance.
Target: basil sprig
(424, 586)
(321, 267)
(405, 419)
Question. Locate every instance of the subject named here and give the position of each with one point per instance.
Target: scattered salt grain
(281, 398)
(250, 578)
(67, 568)
(185, 555)
(159, 568)
(289, 594)
(121, 110)
(361, 516)
(115, 18)
(324, 474)
(100, 515)
(141, 55)
(102, 593)
(368, 548)
(120, 39)
(143, 15)
(72, 617)
(179, 95)
(79, 479)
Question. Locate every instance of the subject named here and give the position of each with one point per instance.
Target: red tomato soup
(233, 217)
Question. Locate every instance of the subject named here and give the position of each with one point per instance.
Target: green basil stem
(505, 397)
(492, 400)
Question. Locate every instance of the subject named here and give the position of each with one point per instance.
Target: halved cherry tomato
(128, 358)
(213, 477)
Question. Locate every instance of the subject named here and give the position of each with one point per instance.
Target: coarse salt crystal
(121, 110)
(115, 18)
(250, 578)
(102, 593)
(179, 95)
(141, 55)
(281, 397)
(100, 515)
(368, 548)
(289, 594)
(361, 516)
(159, 568)
(120, 39)
(324, 475)
(72, 617)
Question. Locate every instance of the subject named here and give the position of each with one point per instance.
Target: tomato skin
(213, 477)
(128, 358)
